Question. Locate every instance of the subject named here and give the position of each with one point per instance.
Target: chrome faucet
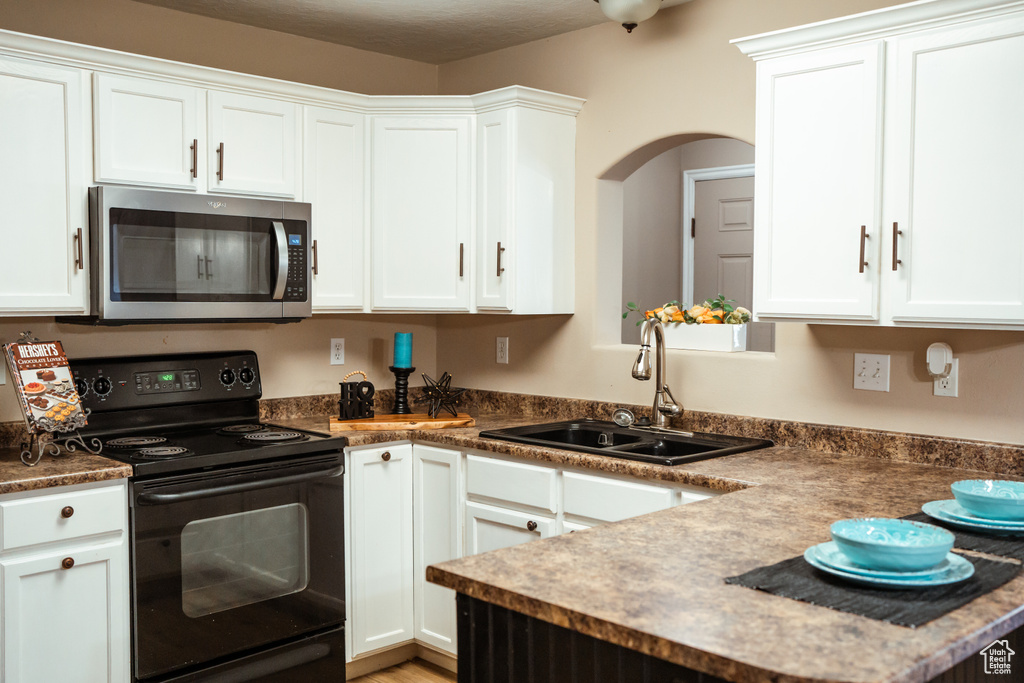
(664, 402)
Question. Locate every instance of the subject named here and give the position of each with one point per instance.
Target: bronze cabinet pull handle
(385, 456)
(67, 512)
(531, 525)
(500, 269)
(462, 253)
(67, 563)
(863, 239)
(195, 158)
(896, 232)
(80, 260)
(220, 162)
(316, 267)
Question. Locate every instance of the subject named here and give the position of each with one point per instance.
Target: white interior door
(957, 175)
(817, 182)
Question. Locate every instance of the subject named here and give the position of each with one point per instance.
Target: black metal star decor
(441, 395)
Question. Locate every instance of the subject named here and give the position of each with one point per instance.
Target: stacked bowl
(988, 506)
(890, 553)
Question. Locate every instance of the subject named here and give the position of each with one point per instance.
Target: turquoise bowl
(897, 545)
(991, 498)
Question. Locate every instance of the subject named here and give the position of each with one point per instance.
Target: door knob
(531, 525)
(385, 456)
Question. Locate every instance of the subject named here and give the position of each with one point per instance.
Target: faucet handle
(671, 409)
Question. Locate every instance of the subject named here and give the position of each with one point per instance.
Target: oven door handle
(152, 498)
(282, 260)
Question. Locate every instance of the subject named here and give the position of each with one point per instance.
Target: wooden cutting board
(413, 421)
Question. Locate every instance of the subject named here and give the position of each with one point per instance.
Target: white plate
(938, 509)
(830, 554)
(959, 570)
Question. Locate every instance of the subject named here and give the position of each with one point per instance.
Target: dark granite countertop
(655, 583)
(62, 470)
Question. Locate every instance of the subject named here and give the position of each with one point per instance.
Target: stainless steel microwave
(168, 256)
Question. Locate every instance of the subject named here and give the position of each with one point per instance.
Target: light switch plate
(871, 371)
(3, 371)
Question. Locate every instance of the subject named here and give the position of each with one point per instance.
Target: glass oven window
(243, 558)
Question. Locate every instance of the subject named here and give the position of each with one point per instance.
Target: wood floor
(416, 671)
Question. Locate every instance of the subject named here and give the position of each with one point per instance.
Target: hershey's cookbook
(45, 387)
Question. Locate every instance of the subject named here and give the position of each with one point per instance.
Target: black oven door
(229, 561)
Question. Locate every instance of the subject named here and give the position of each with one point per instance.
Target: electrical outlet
(947, 386)
(337, 352)
(502, 351)
(871, 371)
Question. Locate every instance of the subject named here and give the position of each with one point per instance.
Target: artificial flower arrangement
(715, 311)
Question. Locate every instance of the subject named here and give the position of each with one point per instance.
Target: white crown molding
(127, 64)
(875, 24)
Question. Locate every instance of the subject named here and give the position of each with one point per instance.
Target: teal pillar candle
(403, 349)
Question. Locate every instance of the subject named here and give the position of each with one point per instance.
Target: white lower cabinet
(413, 505)
(490, 528)
(65, 585)
(438, 538)
(380, 557)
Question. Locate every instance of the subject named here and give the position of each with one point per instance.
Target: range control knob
(246, 375)
(227, 377)
(82, 387)
(102, 386)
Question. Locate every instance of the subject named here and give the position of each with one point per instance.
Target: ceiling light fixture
(629, 13)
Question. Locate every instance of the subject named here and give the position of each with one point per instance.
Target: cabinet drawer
(41, 519)
(609, 500)
(513, 482)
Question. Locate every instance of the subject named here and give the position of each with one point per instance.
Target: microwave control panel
(295, 289)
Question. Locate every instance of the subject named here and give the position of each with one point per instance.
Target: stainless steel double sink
(660, 447)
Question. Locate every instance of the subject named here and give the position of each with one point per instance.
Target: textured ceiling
(433, 31)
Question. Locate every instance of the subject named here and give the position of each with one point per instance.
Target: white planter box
(726, 338)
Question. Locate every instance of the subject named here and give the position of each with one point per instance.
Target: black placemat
(795, 578)
(1003, 546)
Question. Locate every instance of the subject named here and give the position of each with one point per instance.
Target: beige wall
(169, 34)
(294, 357)
(677, 75)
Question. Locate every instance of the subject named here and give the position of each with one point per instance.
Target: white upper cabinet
(421, 212)
(905, 121)
(254, 145)
(333, 183)
(956, 177)
(525, 210)
(44, 143)
(149, 132)
(817, 184)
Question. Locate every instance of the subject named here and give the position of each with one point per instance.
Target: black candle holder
(401, 390)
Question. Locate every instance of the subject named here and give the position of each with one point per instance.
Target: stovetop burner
(273, 436)
(135, 441)
(160, 452)
(241, 429)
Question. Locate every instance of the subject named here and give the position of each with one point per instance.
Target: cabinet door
(333, 184)
(421, 213)
(44, 145)
(436, 520)
(957, 173)
(490, 528)
(604, 499)
(381, 562)
(817, 183)
(253, 145)
(148, 132)
(495, 208)
(66, 624)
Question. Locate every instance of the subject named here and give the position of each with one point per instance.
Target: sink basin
(632, 443)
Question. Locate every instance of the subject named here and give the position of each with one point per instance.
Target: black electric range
(165, 414)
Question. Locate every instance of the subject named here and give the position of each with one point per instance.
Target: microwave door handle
(282, 260)
(151, 498)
